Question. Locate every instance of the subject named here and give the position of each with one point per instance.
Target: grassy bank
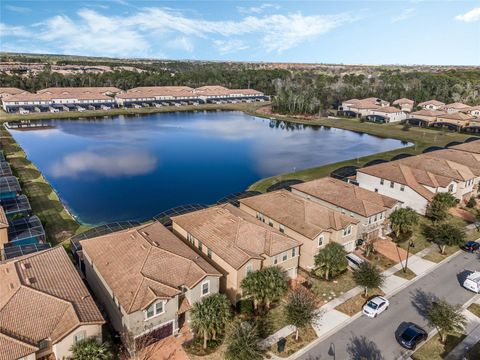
(246, 107)
(420, 137)
(59, 224)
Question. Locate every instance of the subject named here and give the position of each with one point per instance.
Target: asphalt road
(374, 339)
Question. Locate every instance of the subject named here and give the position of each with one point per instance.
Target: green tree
(265, 286)
(447, 318)
(243, 342)
(403, 221)
(90, 349)
(300, 309)
(444, 234)
(438, 208)
(209, 316)
(472, 202)
(368, 276)
(331, 260)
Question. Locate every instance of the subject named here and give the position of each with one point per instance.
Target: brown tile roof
(184, 306)
(403, 174)
(80, 90)
(3, 219)
(299, 214)
(458, 116)
(8, 91)
(425, 112)
(403, 101)
(439, 166)
(12, 349)
(347, 196)
(234, 235)
(470, 160)
(39, 284)
(472, 146)
(431, 102)
(387, 109)
(146, 263)
(456, 105)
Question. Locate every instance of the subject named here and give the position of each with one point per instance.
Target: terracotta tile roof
(234, 235)
(8, 91)
(456, 105)
(152, 91)
(403, 101)
(184, 306)
(470, 160)
(39, 284)
(431, 102)
(347, 196)
(299, 214)
(403, 174)
(146, 263)
(387, 109)
(3, 219)
(12, 349)
(472, 146)
(65, 93)
(458, 116)
(439, 166)
(425, 112)
(80, 90)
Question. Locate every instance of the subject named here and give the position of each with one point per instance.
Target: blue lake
(123, 168)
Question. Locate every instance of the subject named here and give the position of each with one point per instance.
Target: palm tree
(368, 276)
(331, 260)
(209, 316)
(403, 221)
(90, 349)
(243, 342)
(265, 286)
(438, 207)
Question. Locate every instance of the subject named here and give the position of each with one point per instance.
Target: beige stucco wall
(3, 237)
(62, 348)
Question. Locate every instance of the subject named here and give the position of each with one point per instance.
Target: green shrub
(471, 203)
(245, 306)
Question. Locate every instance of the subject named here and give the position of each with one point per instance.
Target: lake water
(132, 168)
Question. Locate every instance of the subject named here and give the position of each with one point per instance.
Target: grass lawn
(436, 256)
(306, 336)
(433, 349)
(421, 137)
(408, 275)
(381, 261)
(273, 320)
(474, 309)
(58, 223)
(328, 290)
(355, 304)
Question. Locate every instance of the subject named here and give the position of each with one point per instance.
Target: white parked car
(472, 282)
(354, 261)
(375, 306)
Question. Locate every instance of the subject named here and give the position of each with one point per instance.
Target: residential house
(45, 307)
(455, 120)
(370, 208)
(3, 228)
(406, 105)
(147, 279)
(415, 188)
(431, 105)
(237, 243)
(474, 111)
(309, 222)
(455, 107)
(472, 146)
(8, 91)
(361, 108)
(386, 114)
(424, 117)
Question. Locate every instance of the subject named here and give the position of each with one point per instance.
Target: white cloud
(404, 15)
(257, 9)
(142, 33)
(8, 30)
(229, 46)
(471, 16)
(18, 9)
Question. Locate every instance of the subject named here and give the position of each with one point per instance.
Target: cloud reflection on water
(107, 162)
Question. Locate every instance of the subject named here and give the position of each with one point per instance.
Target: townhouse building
(424, 117)
(431, 105)
(455, 107)
(236, 243)
(386, 114)
(370, 208)
(309, 222)
(45, 307)
(406, 105)
(147, 279)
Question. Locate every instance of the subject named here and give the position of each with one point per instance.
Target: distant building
(3, 228)
(237, 243)
(454, 120)
(363, 107)
(147, 279)
(386, 114)
(370, 208)
(424, 117)
(474, 111)
(431, 105)
(309, 222)
(455, 107)
(45, 307)
(404, 104)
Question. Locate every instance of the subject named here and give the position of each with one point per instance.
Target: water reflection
(108, 162)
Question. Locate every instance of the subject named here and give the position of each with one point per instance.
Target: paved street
(374, 339)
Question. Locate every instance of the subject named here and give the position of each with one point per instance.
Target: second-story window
(248, 269)
(392, 184)
(157, 308)
(200, 246)
(382, 181)
(209, 252)
(402, 187)
(281, 228)
(347, 231)
(284, 256)
(320, 240)
(294, 252)
(205, 288)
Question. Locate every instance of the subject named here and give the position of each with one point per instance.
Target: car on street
(354, 261)
(471, 247)
(411, 336)
(472, 282)
(375, 306)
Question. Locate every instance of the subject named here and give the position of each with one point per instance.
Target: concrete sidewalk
(473, 337)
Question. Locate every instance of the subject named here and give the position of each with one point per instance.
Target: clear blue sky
(367, 32)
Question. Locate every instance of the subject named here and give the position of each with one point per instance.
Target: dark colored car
(471, 246)
(412, 336)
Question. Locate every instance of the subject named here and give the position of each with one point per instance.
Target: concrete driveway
(374, 339)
